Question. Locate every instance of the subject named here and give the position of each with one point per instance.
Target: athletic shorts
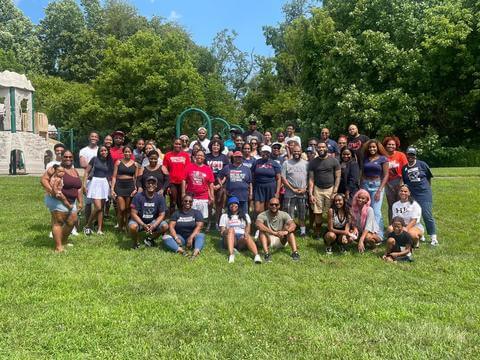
(202, 206)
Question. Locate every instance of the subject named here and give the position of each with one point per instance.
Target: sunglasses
(274, 204)
(68, 157)
(188, 201)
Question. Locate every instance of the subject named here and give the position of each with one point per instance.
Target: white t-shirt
(235, 223)
(295, 137)
(204, 144)
(88, 153)
(407, 211)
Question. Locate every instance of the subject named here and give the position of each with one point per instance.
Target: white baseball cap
(266, 148)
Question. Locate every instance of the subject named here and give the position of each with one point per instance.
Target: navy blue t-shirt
(249, 162)
(186, 221)
(238, 180)
(148, 208)
(264, 171)
(417, 178)
(216, 163)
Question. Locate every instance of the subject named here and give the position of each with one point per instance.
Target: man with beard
(202, 140)
(252, 132)
(323, 180)
(355, 140)
(294, 178)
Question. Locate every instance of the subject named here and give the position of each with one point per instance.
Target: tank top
(126, 170)
(71, 184)
(338, 223)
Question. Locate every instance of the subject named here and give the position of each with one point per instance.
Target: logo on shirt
(237, 175)
(177, 159)
(198, 177)
(413, 174)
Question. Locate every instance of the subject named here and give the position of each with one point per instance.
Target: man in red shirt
(199, 182)
(176, 161)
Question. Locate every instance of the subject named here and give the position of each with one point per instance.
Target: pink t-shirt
(198, 179)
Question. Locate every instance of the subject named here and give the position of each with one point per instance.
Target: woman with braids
(124, 185)
(339, 219)
(235, 230)
(217, 160)
(411, 212)
(396, 161)
(365, 228)
(375, 176)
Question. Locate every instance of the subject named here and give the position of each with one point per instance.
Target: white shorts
(275, 242)
(202, 206)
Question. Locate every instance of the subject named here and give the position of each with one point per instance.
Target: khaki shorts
(322, 200)
(275, 242)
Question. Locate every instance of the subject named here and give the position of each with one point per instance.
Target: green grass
(453, 172)
(104, 301)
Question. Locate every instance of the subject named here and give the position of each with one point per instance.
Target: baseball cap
(252, 121)
(237, 154)
(233, 200)
(276, 144)
(310, 149)
(266, 148)
(411, 150)
(118, 133)
(151, 178)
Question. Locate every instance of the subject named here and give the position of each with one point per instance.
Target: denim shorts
(54, 204)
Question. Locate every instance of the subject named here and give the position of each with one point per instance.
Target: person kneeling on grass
(276, 228)
(235, 231)
(399, 242)
(184, 227)
(339, 219)
(364, 225)
(147, 214)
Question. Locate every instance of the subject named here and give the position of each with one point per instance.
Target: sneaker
(74, 231)
(303, 234)
(231, 259)
(50, 235)
(136, 246)
(101, 233)
(328, 250)
(149, 242)
(257, 259)
(87, 231)
(295, 256)
(423, 238)
(267, 257)
(69, 244)
(116, 226)
(343, 249)
(434, 242)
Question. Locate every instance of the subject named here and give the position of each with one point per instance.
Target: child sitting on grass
(56, 182)
(399, 242)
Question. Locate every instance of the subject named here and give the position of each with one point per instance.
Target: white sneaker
(69, 244)
(116, 226)
(50, 235)
(231, 259)
(434, 242)
(257, 259)
(329, 250)
(100, 232)
(257, 234)
(74, 231)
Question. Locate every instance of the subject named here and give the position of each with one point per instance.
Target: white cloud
(174, 16)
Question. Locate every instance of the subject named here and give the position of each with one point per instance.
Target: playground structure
(23, 133)
(209, 123)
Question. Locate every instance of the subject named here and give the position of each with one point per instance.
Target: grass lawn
(102, 300)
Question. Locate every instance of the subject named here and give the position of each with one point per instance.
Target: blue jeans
(372, 186)
(427, 216)
(171, 244)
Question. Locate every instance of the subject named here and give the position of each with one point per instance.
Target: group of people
(248, 184)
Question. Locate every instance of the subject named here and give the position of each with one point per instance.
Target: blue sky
(202, 18)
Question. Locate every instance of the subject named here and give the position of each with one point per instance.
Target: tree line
(404, 67)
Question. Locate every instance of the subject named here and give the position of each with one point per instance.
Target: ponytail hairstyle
(410, 197)
(358, 213)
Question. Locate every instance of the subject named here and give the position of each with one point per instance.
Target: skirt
(98, 189)
(124, 187)
(264, 192)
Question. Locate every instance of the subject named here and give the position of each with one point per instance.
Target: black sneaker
(87, 231)
(343, 249)
(267, 257)
(136, 246)
(149, 242)
(295, 256)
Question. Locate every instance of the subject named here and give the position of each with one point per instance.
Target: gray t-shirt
(295, 172)
(324, 171)
(275, 223)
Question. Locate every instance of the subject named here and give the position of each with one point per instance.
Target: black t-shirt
(355, 143)
(101, 168)
(401, 240)
(186, 221)
(324, 171)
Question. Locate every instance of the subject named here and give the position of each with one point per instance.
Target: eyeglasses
(274, 204)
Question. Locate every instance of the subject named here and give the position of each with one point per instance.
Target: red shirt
(395, 164)
(175, 164)
(117, 154)
(198, 179)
